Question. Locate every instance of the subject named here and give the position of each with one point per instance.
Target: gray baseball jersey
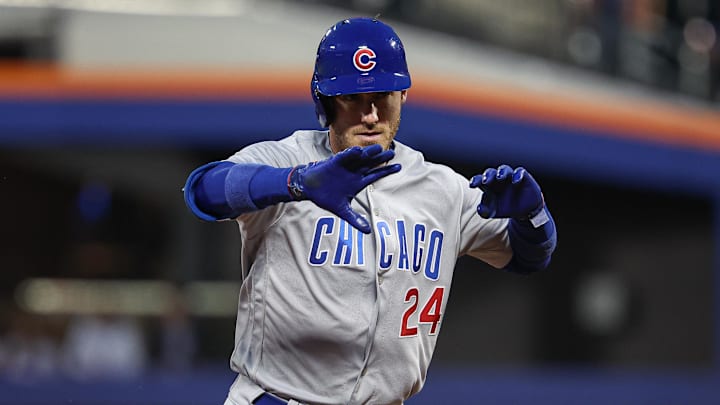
(330, 315)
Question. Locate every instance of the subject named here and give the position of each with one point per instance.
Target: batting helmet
(357, 55)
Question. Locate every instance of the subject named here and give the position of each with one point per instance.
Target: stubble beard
(349, 139)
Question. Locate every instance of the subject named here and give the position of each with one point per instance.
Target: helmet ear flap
(328, 105)
(320, 109)
(324, 105)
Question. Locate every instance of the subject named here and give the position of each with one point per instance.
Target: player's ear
(403, 96)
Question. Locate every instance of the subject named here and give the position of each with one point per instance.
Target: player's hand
(332, 183)
(508, 193)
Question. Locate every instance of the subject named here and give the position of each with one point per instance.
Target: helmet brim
(353, 84)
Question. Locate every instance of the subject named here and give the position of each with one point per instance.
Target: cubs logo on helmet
(363, 59)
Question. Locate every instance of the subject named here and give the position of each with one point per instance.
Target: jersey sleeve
(484, 239)
(271, 153)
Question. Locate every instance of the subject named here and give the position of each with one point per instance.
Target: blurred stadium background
(112, 293)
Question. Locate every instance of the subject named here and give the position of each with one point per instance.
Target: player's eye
(350, 98)
(381, 96)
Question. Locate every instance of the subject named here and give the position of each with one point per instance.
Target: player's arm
(515, 194)
(222, 190)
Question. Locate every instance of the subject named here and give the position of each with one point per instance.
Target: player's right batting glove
(333, 183)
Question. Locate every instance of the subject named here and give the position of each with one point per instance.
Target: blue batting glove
(508, 193)
(333, 183)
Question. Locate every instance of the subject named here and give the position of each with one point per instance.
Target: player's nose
(370, 115)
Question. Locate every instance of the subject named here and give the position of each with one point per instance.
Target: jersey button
(371, 188)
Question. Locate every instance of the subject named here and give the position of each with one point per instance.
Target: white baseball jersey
(330, 315)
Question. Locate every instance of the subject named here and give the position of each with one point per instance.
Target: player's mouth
(369, 135)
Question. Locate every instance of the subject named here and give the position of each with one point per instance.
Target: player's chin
(383, 140)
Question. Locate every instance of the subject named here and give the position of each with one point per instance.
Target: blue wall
(451, 136)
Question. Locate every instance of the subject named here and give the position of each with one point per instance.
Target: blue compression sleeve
(269, 186)
(221, 190)
(205, 191)
(532, 247)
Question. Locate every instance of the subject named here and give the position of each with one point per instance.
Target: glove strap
(539, 219)
(539, 216)
(294, 185)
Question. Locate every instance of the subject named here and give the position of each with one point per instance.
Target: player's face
(365, 119)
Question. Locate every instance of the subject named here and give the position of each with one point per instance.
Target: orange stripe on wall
(47, 81)
(646, 121)
(649, 121)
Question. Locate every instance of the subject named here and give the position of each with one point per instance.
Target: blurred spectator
(29, 348)
(104, 347)
(178, 344)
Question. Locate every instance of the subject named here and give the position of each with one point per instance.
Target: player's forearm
(221, 190)
(532, 247)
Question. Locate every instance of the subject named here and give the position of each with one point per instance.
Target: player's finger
(371, 162)
(488, 206)
(518, 175)
(349, 156)
(488, 178)
(358, 159)
(354, 219)
(371, 150)
(380, 172)
(476, 180)
(504, 173)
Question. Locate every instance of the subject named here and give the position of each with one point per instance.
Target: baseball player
(349, 238)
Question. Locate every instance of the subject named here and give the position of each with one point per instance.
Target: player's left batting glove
(509, 193)
(333, 183)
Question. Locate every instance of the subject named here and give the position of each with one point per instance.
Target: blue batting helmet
(357, 55)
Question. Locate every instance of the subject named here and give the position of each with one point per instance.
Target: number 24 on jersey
(429, 314)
